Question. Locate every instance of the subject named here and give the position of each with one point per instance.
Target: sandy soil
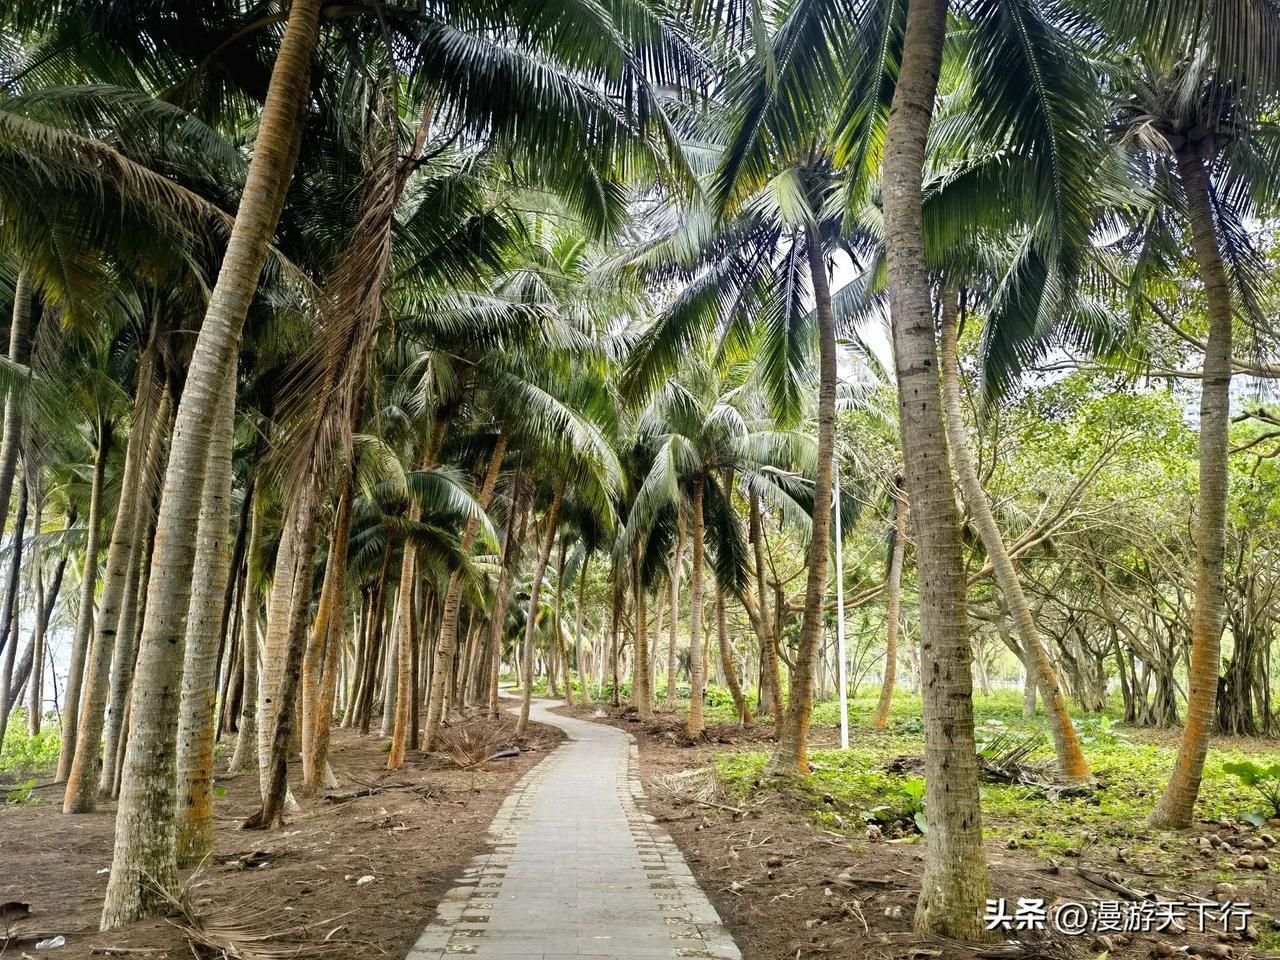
(790, 890)
(413, 833)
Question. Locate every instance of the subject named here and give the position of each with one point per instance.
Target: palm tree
(143, 871)
(1186, 117)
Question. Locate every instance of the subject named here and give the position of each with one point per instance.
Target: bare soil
(412, 831)
(789, 889)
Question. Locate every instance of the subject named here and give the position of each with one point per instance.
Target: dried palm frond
(242, 931)
(700, 783)
(470, 745)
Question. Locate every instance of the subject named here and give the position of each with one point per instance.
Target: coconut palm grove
(640, 478)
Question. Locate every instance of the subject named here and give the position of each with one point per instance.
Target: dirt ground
(412, 834)
(791, 890)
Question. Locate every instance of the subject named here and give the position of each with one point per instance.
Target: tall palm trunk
(406, 642)
(722, 641)
(405, 652)
(1178, 800)
(677, 570)
(84, 615)
(19, 352)
(954, 886)
(10, 610)
(535, 587)
(35, 690)
(330, 631)
(447, 644)
(245, 757)
(122, 557)
(764, 626)
(641, 696)
(204, 632)
(695, 724)
(143, 872)
(1072, 765)
(583, 679)
(133, 608)
(560, 645)
(893, 612)
(512, 551)
(791, 755)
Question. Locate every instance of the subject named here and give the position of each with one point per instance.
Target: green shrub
(1264, 781)
(24, 754)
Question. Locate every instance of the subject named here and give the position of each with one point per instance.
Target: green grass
(23, 755)
(850, 788)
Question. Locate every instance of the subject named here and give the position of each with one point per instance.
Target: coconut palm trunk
(35, 691)
(535, 587)
(329, 626)
(791, 755)
(84, 615)
(954, 887)
(722, 642)
(10, 611)
(560, 645)
(512, 551)
(143, 872)
(1072, 765)
(405, 651)
(764, 626)
(245, 756)
(447, 644)
(893, 613)
(677, 570)
(695, 724)
(123, 556)
(1178, 800)
(19, 352)
(583, 679)
(204, 633)
(641, 697)
(400, 686)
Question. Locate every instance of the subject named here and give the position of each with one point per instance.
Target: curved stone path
(576, 869)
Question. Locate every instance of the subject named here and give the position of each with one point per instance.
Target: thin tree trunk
(329, 632)
(722, 641)
(954, 887)
(133, 610)
(583, 677)
(1072, 765)
(677, 571)
(768, 638)
(695, 725)
(791, 755)
(447, 643)
(535, 586)
(86, 769)
(84, 616)
(10, 611)
(406, 649)
(143, 872)
(1178, 800)
(204, 635)
(245, 757)
(893, 612)
(404, 659)
(512, 552)
(375, 644)
(560, 645)
(641, 697)
(35, 690)
(19, 352)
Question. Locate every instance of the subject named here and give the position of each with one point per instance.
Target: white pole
(841, 680)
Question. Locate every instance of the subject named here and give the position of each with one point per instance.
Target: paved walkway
(576, 869)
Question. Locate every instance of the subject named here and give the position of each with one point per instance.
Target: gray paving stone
(577, 869)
